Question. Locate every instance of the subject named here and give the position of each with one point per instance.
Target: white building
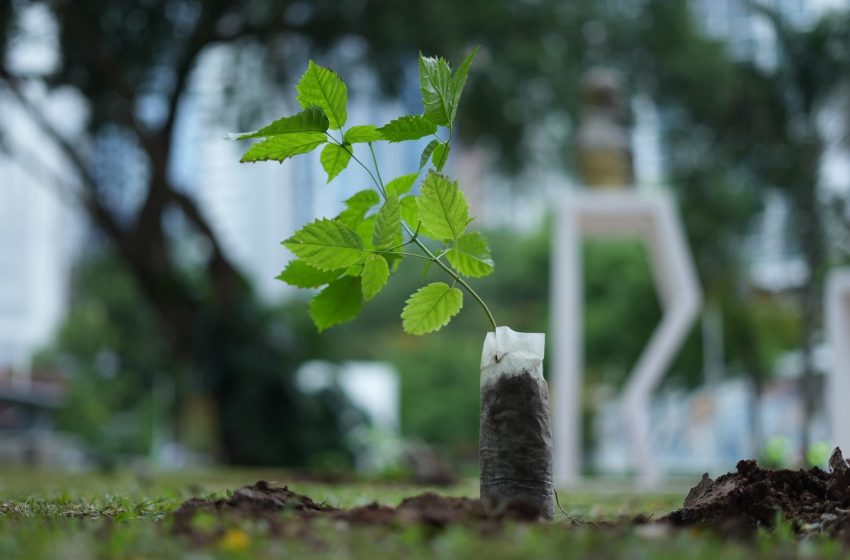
(33, 263)
(37, 228)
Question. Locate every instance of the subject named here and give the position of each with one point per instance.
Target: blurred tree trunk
(142, 242)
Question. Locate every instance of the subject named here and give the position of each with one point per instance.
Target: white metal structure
(837, 306)
(651, 217)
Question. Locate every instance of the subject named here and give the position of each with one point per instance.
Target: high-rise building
(36, 227)
(34, 257)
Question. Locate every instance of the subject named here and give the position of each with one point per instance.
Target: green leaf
(355, 269)
(335, 158)
(363, 200)
(362, 133)
(442, 207)
(387, 232)
(341, 301)
(394, 261)
(471, 255)
(311, 119)
(426, 153)
(283, 146)
(431, 308)
(375, 273)
(426, 269)
(322, 87)
(302, 275)
(410, 214)
(364, 229)
(326, 245)
(435, 78)
(459, 81)
(354, 216)
(409, 127)
(441, 155)
(401, 185)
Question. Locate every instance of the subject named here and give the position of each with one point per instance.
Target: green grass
(44, 515)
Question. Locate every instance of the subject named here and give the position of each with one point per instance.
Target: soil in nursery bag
(812, 501)
(516, 442)
(266, 502)
(515, 439)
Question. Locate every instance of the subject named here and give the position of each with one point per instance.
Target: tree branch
(107, 67)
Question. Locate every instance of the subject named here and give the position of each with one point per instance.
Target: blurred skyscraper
(34, 262)
(37, 229)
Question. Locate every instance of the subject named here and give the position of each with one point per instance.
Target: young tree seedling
(351, 256)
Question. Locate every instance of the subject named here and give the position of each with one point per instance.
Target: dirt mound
(812, 501)
(267, 502)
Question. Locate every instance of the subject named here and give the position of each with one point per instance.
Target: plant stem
(403, 253)
(379, 184)
(457, 278)
(377, 169)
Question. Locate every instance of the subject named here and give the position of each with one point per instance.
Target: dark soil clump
(266, 502)
(812, 501)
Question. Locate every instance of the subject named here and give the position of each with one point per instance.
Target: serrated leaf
(470, 255)
(311, 119)
(283, 146)
(387, 232)
(410, 214)
(459, 81)
(440, 156)
(435, 78)
(335, 158)
(442, 207)
(409, 127)
(354, 216)
(362, 133)
(431, 308)
(401, 185)
(322, 87)
(426, 153)
(365, 228)
(374, 277)
(340, 302)
(363, 200)
(354, 270)
(302, 275)
(326, 245)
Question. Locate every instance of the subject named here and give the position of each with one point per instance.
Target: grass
(68, 516)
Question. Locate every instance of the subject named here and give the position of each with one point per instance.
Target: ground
(129, 515)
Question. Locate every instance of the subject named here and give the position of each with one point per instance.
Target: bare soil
(265, 502)
(736, 504)
(812, 501)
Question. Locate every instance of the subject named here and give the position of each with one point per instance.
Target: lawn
(126, 515)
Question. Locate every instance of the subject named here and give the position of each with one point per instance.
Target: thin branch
(107, 67)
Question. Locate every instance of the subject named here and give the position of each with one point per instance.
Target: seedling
(351, 256)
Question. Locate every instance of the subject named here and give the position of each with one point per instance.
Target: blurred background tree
(734, 131)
